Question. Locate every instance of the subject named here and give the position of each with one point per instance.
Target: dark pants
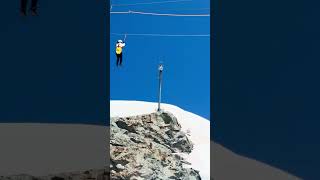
(119, 59)
(24, 4)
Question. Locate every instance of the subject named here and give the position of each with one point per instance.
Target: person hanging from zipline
(33, 9)
(119, 48)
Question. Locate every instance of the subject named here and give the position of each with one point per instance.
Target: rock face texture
(84, 175)
(148, 147)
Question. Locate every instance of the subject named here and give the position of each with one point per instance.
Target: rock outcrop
(148, 147)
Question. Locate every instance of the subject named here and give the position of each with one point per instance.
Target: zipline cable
(157, 14)
(176, 9)
(147, 3)
(168, 35)
(180, 9)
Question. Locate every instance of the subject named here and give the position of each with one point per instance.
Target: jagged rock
(144, 146)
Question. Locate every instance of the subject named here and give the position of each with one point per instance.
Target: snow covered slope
(198, 128)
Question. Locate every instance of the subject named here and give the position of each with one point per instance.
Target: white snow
(198, 127)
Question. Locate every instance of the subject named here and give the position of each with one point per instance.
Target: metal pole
(160, 84)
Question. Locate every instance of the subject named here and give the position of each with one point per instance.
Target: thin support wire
(125, 37)
(168, 35)
(147, 3)
(158, 14)
(179, 9)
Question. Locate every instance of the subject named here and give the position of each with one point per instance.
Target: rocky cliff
(148, 147)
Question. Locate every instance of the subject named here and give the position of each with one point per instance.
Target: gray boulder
(145, 147)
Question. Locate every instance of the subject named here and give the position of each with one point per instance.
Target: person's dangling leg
(118, 58)
(121, 59)
(34, 6)
(23, 7)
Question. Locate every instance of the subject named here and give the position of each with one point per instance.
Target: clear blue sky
(186, 59)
